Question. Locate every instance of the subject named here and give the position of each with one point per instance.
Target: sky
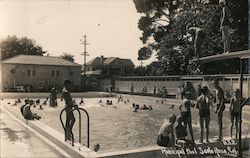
(59, 25)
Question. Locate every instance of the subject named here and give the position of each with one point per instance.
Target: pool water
(116, 127)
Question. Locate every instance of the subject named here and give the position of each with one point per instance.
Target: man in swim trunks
(70, 118)
(220, 106)
(224, 25)
(185, 109)
(198, 35)
(203, 104)
(166, 133)
(235, 112)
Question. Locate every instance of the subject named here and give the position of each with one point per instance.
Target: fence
(153, 84)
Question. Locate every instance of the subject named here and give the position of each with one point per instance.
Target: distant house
(101, 71)
(112, 66)
(38, 73)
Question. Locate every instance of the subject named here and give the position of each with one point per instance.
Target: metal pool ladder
(80, 116)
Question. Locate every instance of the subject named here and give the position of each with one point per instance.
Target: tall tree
(12, 46)
(172, 43)
(68, 57)
(158, 14)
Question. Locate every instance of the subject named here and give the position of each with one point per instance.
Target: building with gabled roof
(100, 72)
(38, 60)
(38, 73)
(112, 66)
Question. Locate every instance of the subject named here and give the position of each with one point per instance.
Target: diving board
(239, 54)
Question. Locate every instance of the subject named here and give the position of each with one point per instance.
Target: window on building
(28, 72)
(53, 73)
(33, 73)
(57, 73)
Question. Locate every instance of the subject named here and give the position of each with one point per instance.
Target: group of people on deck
(167, 133)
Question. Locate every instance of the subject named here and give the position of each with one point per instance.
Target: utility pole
(85, 54)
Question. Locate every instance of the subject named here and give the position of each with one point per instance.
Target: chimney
(102, 59)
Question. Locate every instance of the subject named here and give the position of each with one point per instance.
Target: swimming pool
(120, 128)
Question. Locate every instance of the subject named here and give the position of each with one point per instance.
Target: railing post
(88, 135)
(80, 129)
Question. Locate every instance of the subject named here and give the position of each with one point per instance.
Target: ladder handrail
(78, 109)
(64, 126)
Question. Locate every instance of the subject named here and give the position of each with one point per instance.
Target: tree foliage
(12, 46)
(68, 57)
(140, 71)
(144, 53)
(166, 22)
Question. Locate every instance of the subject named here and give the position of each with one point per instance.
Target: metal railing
(80, 118)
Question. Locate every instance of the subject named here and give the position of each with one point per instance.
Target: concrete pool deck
(19, 140)
(80, 151)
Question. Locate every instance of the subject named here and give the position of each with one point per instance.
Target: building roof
(38, 60)
(95, 61)
(128, 62)
(109, 61)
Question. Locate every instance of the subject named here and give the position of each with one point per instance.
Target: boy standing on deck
(235, 111)
(70, 118)
(185, 109)
(220, 106)
(203, 104)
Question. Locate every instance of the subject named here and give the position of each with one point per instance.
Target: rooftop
(110, 60)
(38, 60)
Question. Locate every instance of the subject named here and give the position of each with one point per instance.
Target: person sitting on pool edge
(166, 133)
(26, 102)
(27, 113)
